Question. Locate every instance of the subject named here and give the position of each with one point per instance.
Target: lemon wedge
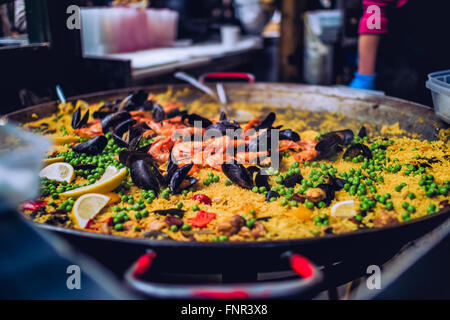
(48, 161)
(103, 185)
(64, 140)
(60, 171)
(344, 209)
(88, 206)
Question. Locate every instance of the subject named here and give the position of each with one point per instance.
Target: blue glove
(361, 81)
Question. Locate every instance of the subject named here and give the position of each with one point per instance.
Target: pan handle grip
(227, 76)
(309, 278)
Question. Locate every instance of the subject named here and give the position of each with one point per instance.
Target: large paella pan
(310, 169)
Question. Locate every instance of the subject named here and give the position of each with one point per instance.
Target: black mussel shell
(272, 194)
(192, 118)
(223, 116)
(172, 212)
(362, 132)
(223, 126)
(328, 146)
(291, 181)
(92, 147)
(329, 193)
(146, 106)
(289, 134)
(358, 149)
(267, 122)
(171, 167)
(262, 180)
(113, 119)
(345, 137)
(77, 121)
(139, 98)
(103, 111)
(238, 174)
(143, 177)
(173, 113)
(156, 234)
(85, 166)
(339, 183)
(123, 126)
(178, 177)
(158, 113)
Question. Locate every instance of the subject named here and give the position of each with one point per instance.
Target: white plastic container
(439, 84)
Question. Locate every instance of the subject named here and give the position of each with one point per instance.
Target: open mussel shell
(158, 113)
(193, 117)
(238, 174)
(105, 110)
(291, 181)
(329, 193)
(328, 146)
(113, 119)
(289, 134)
(358, 149)
(124, 126)
(77, 121)
(224, 125)
(267, 122)
(180, 180)
(143, 177)
(272, 194)
(92, 147)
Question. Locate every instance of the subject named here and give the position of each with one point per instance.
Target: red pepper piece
(202, 198)
(90, 225)
(34, 205)
(202, 219)
(143, 264)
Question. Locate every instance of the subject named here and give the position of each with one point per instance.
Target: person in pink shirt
(372, 25)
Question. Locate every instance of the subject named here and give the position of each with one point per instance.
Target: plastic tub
(439, 84)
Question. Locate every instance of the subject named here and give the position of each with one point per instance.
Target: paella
(150, 166)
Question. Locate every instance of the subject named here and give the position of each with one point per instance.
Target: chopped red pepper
(34, 205)
(202, 219)
(202, 198)
(90, 225)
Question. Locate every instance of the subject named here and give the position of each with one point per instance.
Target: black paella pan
(264, 256)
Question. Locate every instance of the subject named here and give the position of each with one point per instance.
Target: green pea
(118, 227)
(223, 238)
(180, 205)
(173, 228)
(309, 204)
(293, 203)
(227, 182)
(195, 207)
(284, 202)
(186, 227)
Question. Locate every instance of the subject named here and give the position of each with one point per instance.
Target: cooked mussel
(223, 125)
(180, 180)
(113, 119)
(292, 180)
(92, 147)
(158, 113)
(322, 192)
(289, 134)
(272, 194)
(238, 174)
(124, 126)
(85, 166)
(77, 120)
(328, 146)
(357, 149)
(192, 118)
(143, 177)
(267, 122)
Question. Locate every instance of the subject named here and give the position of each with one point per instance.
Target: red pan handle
(224, 76)
(309, 278)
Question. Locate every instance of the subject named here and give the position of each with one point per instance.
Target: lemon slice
(48, 161)
(60, 171)
(64, 140)
(344, 209)
(88, 206)
(109, 172)
(103, 185)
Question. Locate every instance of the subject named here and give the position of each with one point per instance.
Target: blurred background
(125, 43)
